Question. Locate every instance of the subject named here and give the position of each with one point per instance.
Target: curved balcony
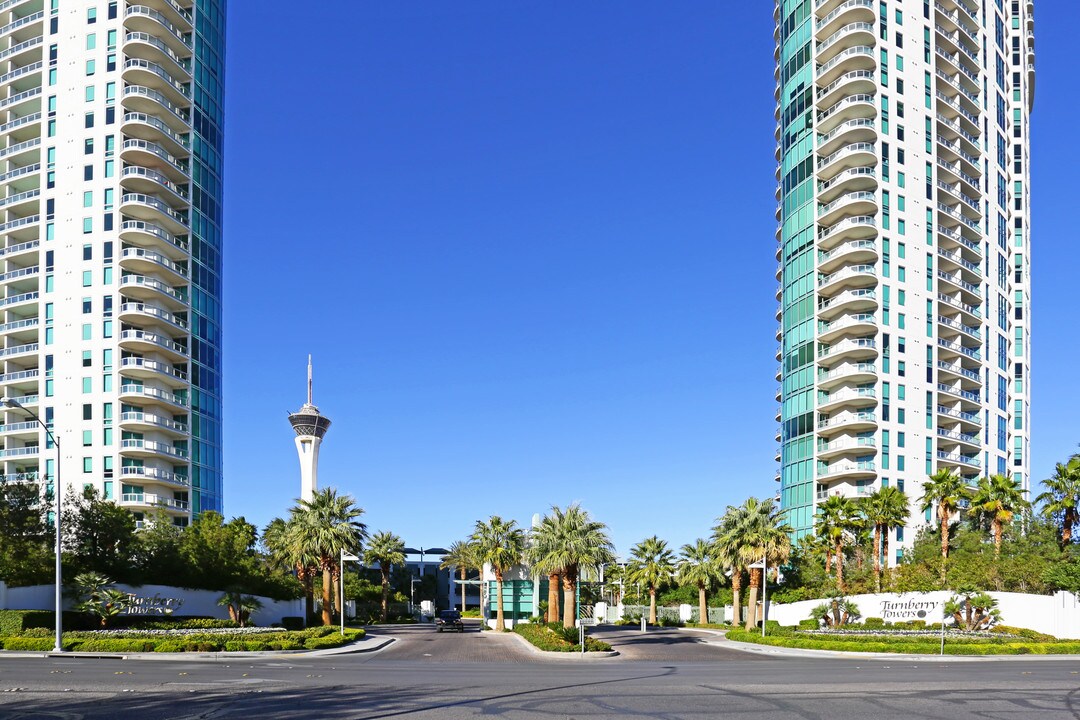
(22, 153)
(953, 349)
(145, 46)
(847, 301)
(22, 128)
(851, 350)
(22, 202)
(955, 371)
(855, 58)
(859, 130)
(24, 102)
(848, 398)
(149, 127)
(146, 234)
(954, 438)
(181, 18)
(959, 418)
(140, 18)
(22, 78)
(154, 76)
(847, 278)
(861, 324)
(25, 28)
(151, 449)
(146, 181)
(860, 179)
(952, 282)
(25, 383)
(20, 280)
(135, 392)
(854, 373)
(958, 460)
(147, 261)
(845, 470)
(138, 367)
(20, 452)
(847, 108)
(149, 154)
(144, 341)
(847, 423)
(151, 289)
(149, 502)
(148, 422)
(860, 227)
(153, 476)
(845, 12)
(854, 252)
(137, 98)
(856, 82)
(847, 445)
(843, 38)
(859, 203)
(152, 209)
(848, 156)
(142, 313)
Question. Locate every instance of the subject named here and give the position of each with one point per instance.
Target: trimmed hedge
(549, 639)
(919, 645)
(310, 639)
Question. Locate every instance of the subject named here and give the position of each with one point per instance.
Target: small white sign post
(341, 585)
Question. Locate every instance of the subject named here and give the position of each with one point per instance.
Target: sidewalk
(783, 652)
(368, 644)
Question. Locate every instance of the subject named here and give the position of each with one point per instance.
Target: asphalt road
(418, 679)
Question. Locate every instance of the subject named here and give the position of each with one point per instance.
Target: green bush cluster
(1005, 645)
(310, 639)
(551, 638)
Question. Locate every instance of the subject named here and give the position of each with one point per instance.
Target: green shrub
(117, 645)
(170, 646)
(551, 638)
(1023, 632)
(873, 623)
(27, 644)
(13, 622)
(809, 624)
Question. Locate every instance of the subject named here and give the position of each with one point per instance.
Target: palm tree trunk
(736, 600)
(999, 530)
(464, 572)
(553, 598)
(840, 567)
(828, 562)
(885, 547)
(877, 557)
(385, 591)
(702, 606)
(327, 618)
(569, 584)
(652, 604)
(500, 624)
(751, 604)
(1067, 526)
(944, 542)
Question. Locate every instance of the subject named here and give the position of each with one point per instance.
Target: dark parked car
(449, 620)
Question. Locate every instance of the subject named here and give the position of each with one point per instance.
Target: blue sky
(531, 247)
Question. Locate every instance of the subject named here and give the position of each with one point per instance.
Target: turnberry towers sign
(153, 605)
(904, 609)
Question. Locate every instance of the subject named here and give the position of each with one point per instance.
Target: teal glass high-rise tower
(903, 246)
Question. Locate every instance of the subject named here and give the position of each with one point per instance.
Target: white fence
(150, 598)
(1057, 615)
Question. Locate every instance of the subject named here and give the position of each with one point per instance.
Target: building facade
(110, 239)
(903, 245)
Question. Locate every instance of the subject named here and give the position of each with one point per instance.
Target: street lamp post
(15, 405)
(341, 585)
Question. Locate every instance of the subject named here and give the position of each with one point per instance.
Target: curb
(355, 647)
(572, 656)
(785, 652)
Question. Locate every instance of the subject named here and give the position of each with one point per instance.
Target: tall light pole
(15, 405)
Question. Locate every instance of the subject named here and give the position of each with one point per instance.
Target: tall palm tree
(282, 553)
(652, 565)
(385, 549)
(540, 554)
(571, 542)
(1061, 497)
(763, 535)
(996, 499)
(943, 491)
(727, 546)
(884, 508)
(698, 566)
(501, 544)
(838, 520)
(460, 556)
(323, 527)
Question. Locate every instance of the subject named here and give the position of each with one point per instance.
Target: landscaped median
(177, 641)
(1014, 642)
(553, 637)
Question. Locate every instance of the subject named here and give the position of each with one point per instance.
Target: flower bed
(553, 638)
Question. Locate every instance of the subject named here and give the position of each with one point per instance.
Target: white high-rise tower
(310, 426)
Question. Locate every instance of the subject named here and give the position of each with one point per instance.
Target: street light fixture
(16, 405)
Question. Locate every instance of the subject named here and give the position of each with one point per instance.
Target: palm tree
(699, 566)
(240, 606)
(997, 498)
(462, 556)
(385, 549)
(884, 508)
(501, 544)
(838, 520)
(763, 534)
(943, 491)
(540, 553)
(1062, 496)
(727, 548)
(322, 527)
(289, 557)
(570, 541)
(652, 565)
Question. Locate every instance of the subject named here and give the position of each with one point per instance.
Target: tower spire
(309, 380)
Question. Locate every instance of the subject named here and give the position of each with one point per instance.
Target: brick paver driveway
(422, 642)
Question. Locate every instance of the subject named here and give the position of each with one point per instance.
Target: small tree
(95, 597)
(837, 613)
(973, 610)
(240, 606)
